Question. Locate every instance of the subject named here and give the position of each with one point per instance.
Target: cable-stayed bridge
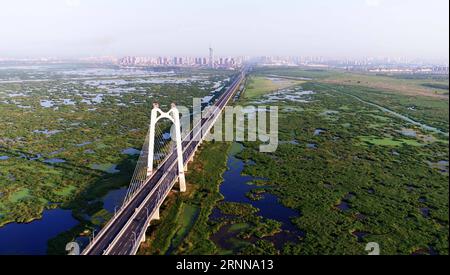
(161, 163)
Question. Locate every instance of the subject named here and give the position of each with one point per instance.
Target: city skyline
(354, 29)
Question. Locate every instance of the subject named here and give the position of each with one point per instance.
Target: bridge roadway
(122, 235)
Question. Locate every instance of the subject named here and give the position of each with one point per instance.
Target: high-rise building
(211, 57)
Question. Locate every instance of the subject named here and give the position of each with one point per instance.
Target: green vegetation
(261, 85)
(188, 216)
(443, 86)
(365, 177)
(428, 110)
(317, 74)
(19, 195)
(390, 141)
(238, 227)
(255, 194)
(168, 234)
(260, 247)
(412, 85)
(261, 229)
(236, 209)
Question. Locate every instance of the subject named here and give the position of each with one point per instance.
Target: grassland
(363, 177)
(436, 87)
(410, 95)
(258, 86)
(389, 141)
(412, 87)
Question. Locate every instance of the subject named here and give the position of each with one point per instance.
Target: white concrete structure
(174, 116)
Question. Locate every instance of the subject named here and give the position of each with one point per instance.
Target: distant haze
(330, 28)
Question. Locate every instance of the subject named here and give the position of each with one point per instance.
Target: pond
(131, 151)
(84, 144)
(319, 131)
(293, 142)
(408, 132)
(47, 132)
(31, 238)
(295, 95)
(54, 160)
(47, 103)
(113, 200)
(235, 187)
(311, 146)
(107, 167)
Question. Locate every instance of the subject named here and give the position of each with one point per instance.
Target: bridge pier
(155, 216)
(182, 181)
(191, 159)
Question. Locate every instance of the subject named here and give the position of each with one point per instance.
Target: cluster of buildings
(369, 64)
(184, 61)
(440, 70)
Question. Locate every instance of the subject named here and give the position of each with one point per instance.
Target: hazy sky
(346, 28)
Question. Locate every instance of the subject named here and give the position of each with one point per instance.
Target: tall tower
(211, 57)
(174, 116)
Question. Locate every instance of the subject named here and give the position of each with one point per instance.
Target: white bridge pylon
(174, 116)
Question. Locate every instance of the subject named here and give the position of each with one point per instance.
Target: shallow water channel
(234, 188)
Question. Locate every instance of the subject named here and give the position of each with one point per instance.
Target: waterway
(31, 238)
(234, 188)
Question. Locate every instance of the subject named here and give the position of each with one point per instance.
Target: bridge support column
(176, 121)
(191, 159)
(156, 215)
(151, 140)
(182, 181)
